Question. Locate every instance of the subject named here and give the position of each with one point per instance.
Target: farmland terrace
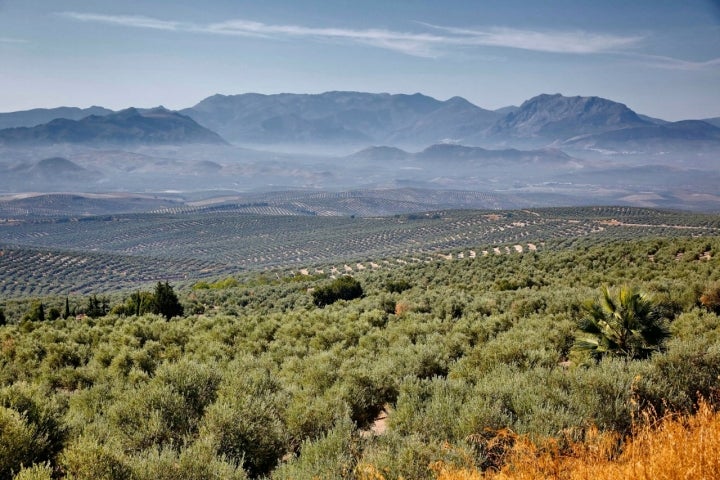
(115, 252)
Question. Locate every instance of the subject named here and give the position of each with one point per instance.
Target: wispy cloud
(136, 21)
(557, 41)
(12, 40)
(419, 44)
(436, 41)
(671, 63)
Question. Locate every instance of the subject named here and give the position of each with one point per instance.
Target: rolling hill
(113, 252)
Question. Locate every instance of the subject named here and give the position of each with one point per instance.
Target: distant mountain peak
(558, 117)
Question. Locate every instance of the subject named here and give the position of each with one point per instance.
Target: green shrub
(166, 409)
(87, 459)
(196, 462)
(245, 425)
(410, 456)
(42, 413)
(343, 288)
(397, 286)
(687, 372)
(36, 313)
(331, 456)
(18, 443)
(35, 472)
(139, 303)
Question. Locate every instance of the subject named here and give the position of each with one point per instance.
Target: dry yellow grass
(680, 447)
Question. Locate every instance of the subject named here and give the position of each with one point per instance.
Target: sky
(659, 57)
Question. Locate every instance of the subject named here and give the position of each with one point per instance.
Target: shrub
(343, 288)
(54, 313)
(196, 462)
(41, 412)
(397, 286)
(35, 472)
(35, 314)
(87, 459)
(18, 442)
(678, 379)
(244, 425)
(246, 430)
(167, 408)
(331, 456)
(138, 304)
(409, 457)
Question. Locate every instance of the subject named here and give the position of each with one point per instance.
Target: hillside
(127, 127)
(114, 252)
(482, 157)
(445, 362)
(713, 121)
(689, 135)
(455, 154)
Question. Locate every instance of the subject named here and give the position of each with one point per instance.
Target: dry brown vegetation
(676, 447)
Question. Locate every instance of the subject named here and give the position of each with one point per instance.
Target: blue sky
(660, 57)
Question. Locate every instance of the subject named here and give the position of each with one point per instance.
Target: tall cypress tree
(166, 302)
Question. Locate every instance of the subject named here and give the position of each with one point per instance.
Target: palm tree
(627, 325)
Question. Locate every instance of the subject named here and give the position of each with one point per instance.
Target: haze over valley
(552, 150)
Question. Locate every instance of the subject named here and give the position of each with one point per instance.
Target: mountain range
(38, 116)
(334, 117)
(354, 120)
(130, 126)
